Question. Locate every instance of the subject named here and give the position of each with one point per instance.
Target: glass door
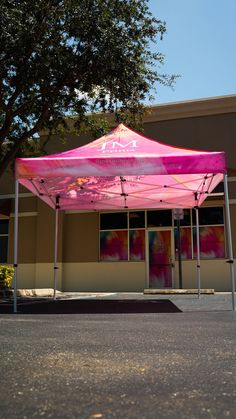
(160, 258)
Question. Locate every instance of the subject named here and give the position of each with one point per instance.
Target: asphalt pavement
(141, 364)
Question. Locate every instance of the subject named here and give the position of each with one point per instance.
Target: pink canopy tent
(122, 169)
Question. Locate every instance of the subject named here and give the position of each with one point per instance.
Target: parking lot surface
(134, 364)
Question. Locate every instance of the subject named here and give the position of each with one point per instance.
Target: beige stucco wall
(233, 226)
(27, 204)
(81, 237)
(130, 276)
(120, 276)
(46, 233)
(79, 251)
(104, 276)
(44, 275)
(38, 275)
(26, 275)
(36, 233)
(27, 238)
(214, 274)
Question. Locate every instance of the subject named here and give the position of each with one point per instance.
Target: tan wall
(233, 226)
(212, 132)
(81, 237)
(72, 141)
(27, 204)
(122, 276)
(79, 246)
(27, 239)
(214, 274)
(26, 275)
(78, 235)
(44, 275)
(7, 182)
(36, 233)
(38, 275)
(46, 234)
(232, 190)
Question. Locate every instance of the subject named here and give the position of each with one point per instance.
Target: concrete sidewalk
(185, 303)
(219, 301)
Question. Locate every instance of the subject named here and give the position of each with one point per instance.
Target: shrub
(6, 276)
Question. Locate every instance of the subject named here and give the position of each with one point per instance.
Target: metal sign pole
(16, 243)
(178, 214)
(179, 254)
(229, 240)
(198, 254)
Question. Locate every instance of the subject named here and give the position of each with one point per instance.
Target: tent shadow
(93, 307)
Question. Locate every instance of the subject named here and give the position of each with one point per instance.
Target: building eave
(191, 108)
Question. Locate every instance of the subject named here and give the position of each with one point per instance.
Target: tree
(68, 57)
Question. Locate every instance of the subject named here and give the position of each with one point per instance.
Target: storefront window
(113, 220)
(137, 244)
(114, 245)
(137, 219)
(4, 225)
(185, 241)
(209, 216)
(212, 242)
(122, 234)
(162, 218)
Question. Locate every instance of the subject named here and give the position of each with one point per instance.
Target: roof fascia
(191, 108)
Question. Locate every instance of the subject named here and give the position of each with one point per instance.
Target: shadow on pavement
(91, 306)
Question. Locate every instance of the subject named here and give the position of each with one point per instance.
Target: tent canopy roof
(123, 169)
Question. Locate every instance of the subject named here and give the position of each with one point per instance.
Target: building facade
(113, 251)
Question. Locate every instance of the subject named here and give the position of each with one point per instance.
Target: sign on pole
(178, 213)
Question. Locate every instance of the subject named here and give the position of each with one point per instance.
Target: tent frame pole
(55, 248)
(198, 254)
(229, 240)
(15, 259)
(179, 255)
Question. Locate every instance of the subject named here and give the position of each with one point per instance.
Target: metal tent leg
(229, 238)
(198, 254)
(55, 248)
(16, 243)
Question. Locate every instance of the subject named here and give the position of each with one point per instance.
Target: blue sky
(200, 46)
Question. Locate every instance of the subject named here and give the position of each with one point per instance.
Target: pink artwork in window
(114, 245)
(212, 242)
(186, 245)
(137, 244)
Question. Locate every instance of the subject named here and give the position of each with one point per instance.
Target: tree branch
(4, 131)
(9, 156)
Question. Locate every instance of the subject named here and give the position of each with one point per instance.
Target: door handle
(171, 262)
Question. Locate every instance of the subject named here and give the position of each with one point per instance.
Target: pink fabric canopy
(123, 169)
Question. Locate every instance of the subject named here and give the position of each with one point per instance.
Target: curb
(179, 291)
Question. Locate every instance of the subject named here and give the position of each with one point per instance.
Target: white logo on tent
(115, 146)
